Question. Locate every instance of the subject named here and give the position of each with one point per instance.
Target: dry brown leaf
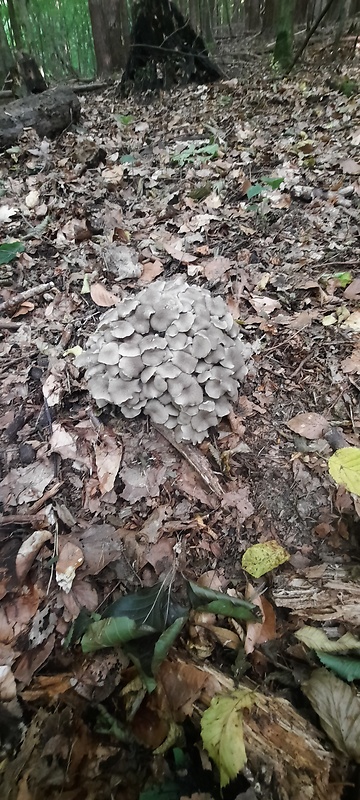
(28, 552)
(102, 297)
(150, 271)
(264, 305)
(310, 425)
(265, 631)
(108, 455)
(350, 167)
(7, 684)
(352, 363)
(215, 268)
(70, 559)
(353, 290)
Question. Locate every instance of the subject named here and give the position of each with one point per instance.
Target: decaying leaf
(338, 707)
(262, 558)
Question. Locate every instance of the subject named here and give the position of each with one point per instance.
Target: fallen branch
(196, 460)
(17, 299)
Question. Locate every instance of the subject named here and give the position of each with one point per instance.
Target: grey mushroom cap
(109, 354)
(174, 352)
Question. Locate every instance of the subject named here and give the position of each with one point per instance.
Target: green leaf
(222, 732)
(165, 641)
(345, 667)
(254, 191)
(112, 632)
(344, 278)
(338, 708)
(264, 557)
(344, 468)
(9, 251)
(274, 183)
(127, 159)
(218, 603)
(125, 119)
(152, 606)
(167, 791)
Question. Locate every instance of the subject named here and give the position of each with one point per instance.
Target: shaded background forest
(81, 39)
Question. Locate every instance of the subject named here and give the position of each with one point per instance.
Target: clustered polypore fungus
(174, 352)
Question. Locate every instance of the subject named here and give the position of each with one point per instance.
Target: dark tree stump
(25, 76)
(48, 113)
(165, 49)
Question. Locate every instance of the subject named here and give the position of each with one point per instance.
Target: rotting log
(283, 748)
(49, 113)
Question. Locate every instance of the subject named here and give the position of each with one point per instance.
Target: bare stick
(195, 458)
(17, 299)
(309, 35)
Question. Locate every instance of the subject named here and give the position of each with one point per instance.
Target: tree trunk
(15, 25)
(5, 54)
(343, 15)
(283, 52)
(109, 37)
(269, 19)
(252, 15)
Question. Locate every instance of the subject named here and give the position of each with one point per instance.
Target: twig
(196, 460)
(50, 493)
(8, 325)
(17, 299)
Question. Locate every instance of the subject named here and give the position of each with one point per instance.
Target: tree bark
(283, 51)
(5, 54)
(109, 37)
(269, 19)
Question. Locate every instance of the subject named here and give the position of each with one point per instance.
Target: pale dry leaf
(310, 425)
(215, 268)
(108, 455)
(350, 167)
(151, 270)
(7, 684)
(26, 484)
(32, 199)
(28, 552)
(264, 305)
(353, 290)
(351, 364)
(6, 212)
(352, 323)
(102, 297)
(70, 559)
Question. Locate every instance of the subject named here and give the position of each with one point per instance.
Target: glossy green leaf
(9, 251)
(344, 666)
(112, 632)
(274, 183)
(152, 606)
(208, 600)
(165, 641)
(254, 191)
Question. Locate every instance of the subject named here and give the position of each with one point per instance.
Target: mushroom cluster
(174, 352)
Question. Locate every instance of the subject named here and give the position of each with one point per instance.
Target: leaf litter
(97, 508)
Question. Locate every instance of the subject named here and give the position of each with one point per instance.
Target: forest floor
(96, 507)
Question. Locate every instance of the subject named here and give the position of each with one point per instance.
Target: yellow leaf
(344, 468)
(316, 639)
(222, 732)
(262, 558)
